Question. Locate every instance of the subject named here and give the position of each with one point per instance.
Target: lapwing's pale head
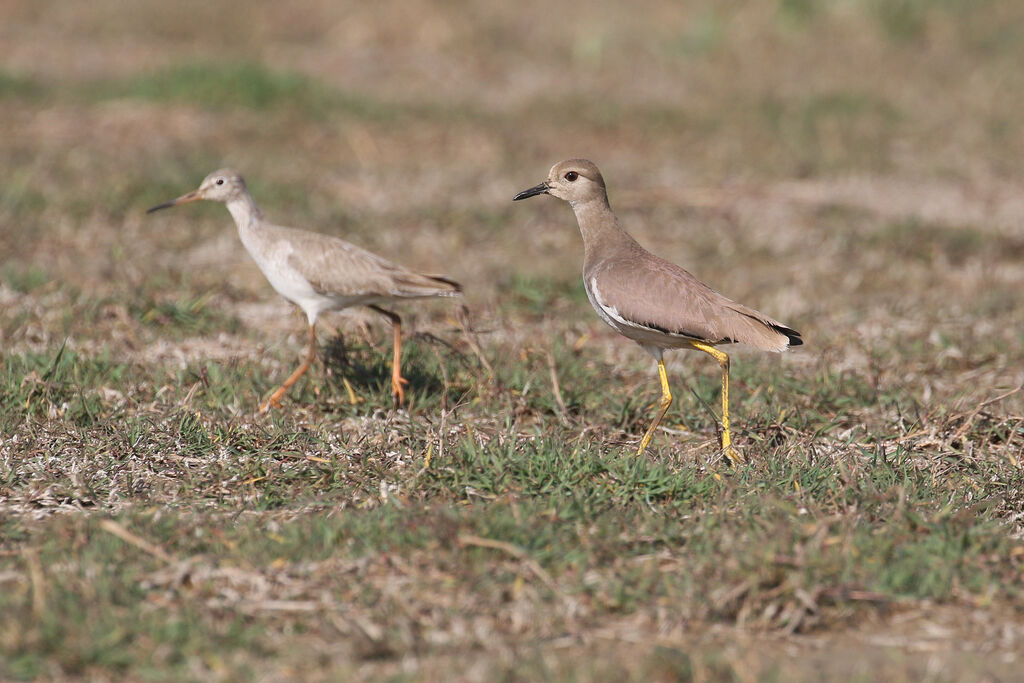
(574, 180)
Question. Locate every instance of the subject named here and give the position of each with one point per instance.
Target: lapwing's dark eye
(571, 176)
(220, 181)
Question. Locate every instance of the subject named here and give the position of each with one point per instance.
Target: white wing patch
(610, 314)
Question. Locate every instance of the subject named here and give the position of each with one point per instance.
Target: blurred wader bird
(317, 272)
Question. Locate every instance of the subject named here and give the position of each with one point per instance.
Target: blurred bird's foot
(397, 390)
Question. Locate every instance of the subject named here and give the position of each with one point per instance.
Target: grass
(24, 280)
(191, 315)
(237, 528)
(17, 86)
(771, 548)
(830, 129)
(247, 85)
(794, 155)
(226, 85)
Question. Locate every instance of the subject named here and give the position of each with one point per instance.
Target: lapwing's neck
(246, 214)
(602, 233)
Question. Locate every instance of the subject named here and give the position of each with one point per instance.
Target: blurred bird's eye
(571, 176)
(220, 181)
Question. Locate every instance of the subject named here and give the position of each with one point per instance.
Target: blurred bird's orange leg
(730, 453)
(275, 399)
(666, 401)
(397, 390)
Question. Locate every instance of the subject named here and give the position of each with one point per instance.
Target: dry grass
(850, 168)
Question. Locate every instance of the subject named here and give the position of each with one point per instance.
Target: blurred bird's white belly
(273, 262)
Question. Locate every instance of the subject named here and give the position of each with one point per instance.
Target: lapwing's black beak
(532, 192)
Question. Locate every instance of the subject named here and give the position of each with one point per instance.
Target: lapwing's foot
(732, 456)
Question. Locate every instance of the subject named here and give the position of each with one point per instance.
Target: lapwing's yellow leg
(666, 401)
(397, 391)
(730, 453)
(275, 399)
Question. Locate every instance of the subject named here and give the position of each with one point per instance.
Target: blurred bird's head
(220, 186)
